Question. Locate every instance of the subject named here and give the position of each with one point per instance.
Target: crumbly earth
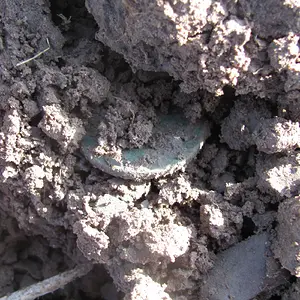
(287, 248)
(111, 66)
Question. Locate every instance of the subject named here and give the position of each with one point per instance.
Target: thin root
(36, 56)
(49, 285)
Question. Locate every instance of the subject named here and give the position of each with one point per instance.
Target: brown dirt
(229, 62)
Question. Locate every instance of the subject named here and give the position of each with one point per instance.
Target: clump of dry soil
(111, 66)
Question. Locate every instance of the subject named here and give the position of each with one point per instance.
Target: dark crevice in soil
(73, 20)
(61, 62)
(275, 298)
(35, 120)
(115, 66)
(154, 188)
(226, 103)
(190, 211)
(60, 7)
(248, 228)
(273, 206)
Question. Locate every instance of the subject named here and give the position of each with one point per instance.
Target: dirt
(111, 69)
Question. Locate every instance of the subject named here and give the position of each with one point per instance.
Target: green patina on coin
(175, 142)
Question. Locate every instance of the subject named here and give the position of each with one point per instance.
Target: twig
(49, 285)
(36, 56)
(65, 20)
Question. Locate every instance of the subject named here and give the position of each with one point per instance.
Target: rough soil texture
(287, 248)
(235, 63)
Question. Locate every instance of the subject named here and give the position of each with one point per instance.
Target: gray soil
(112, 67)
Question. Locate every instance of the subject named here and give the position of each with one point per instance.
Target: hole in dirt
(153, 188)
(148, 77)
(215, 134)
(190, 211)
(240, 175)
(138, 202)
(275, 297)
(115, 66)
(274, 224)
(76, 110)
(83, 175)
(54, 296)
(226, 103)
(35, 120)
(61, 207)
(238, 165)
(293, 279)
(61, 62)
(273, 206)
(36, 260)
(3, 235)
(54, 145)
(58, 7)
(73, 18)
(248, 228)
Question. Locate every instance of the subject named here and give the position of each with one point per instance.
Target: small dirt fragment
(287, 245)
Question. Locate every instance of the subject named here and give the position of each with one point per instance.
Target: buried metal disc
(175, 141)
